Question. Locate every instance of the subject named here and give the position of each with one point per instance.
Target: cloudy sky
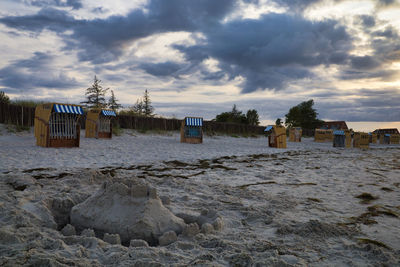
(199, 57)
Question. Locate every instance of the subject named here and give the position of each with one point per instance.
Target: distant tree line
(236, 116)
(95, 98)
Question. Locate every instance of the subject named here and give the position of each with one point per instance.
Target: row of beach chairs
(339, 138)
(57, 125)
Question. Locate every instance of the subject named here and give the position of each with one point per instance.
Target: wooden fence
(15, 114)
(18, 115)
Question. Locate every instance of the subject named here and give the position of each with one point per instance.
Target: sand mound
(132, 210)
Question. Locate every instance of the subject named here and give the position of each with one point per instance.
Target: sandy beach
(307, 205)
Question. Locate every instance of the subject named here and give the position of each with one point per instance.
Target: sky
(199, 57)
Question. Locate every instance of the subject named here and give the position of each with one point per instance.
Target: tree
(234, 116)
(303, 115)
(4, 98)
(113, 102)
(278, 121)
(95, 95)
(237, 116)
(235, 112)
(138, 108)
(252, 117)
(143, 106)
(147, 107)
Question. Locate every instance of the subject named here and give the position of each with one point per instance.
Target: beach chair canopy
(269, 128)
(189, 121)
(108, 113)
(387, 135)
(59, 108)
(338, 132)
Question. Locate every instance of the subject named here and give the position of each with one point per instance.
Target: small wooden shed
(323, 135)
(276, 136)
(295, 134)
(361, 140)
(98, 123)
(384, 139)
(342, 138)
(192, 130)
(373, 138)
(57, 125)
(395, 139)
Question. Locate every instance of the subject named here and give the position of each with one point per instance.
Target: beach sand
(307, 205)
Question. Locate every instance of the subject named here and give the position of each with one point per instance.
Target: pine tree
(138, 107)
(95, 95)
(143, 106)
(113, 102)
(4, 98)
(147, 107)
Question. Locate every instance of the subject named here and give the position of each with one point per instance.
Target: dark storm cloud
(385, 49)
(360, 110)
(385, 46)
(385, 3)
(213, 76)
(103, 40)
(273, 50)
(161, 69)
(75, 4)
(388, 93)
(367, 21)
(361, 105)
(389, 32)
(296, 5)
(33, 73)
(47, 18)
(365, 62)
(383, 75)
(301, 5)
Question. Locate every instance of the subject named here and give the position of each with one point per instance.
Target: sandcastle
(132, 210)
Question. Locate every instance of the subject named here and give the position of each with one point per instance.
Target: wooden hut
(334, 125)
(361, 140)
(276, 136)
(98, 123)
(295, 134)
(192, 130)
(342, 138)
(381, 134)
(395, 139)
(323, 135)
(384, 139)
(373, 138)
(57, 125)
